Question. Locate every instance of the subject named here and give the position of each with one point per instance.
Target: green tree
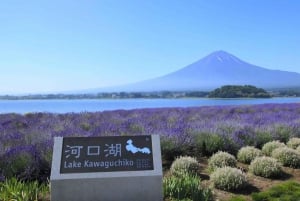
(239, 91)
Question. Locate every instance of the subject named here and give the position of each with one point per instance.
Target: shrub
(247, 154)
(208, 143)
(282, 133)
(186, 187)
(169, 149)
(265, 167)
(298, 149)
(221, 159)
(228, 178)
(22, 162)
(293, 142)
(270, 146)
(287, 156)
(184, 164)
(262, 137)
(230, 143)
(287, 191)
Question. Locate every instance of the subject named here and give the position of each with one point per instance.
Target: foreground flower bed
(26, 141)
(229, 177)
(184, 180)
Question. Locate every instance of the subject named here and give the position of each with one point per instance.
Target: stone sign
(112, 168)
(106, 154)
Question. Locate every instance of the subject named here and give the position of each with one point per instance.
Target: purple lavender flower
(237, 125)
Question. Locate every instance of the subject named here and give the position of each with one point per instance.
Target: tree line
(227, 91)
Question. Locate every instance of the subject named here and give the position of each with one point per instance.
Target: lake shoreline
(96, 105)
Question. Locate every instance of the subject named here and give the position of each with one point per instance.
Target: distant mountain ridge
(217, 69)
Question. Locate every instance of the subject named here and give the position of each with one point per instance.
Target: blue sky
(61, 45)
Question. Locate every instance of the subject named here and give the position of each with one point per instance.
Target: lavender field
(26, 141)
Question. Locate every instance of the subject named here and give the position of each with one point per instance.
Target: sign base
(143, 185)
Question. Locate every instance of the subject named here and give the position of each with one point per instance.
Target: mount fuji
(217, 69)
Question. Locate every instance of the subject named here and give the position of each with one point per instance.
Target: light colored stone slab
(107, 186)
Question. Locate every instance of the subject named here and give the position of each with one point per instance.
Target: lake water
(65, 106)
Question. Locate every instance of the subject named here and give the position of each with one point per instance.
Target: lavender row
(28, 139)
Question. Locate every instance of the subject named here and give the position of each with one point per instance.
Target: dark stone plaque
(106, 154)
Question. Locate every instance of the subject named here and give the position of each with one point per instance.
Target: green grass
(287, 191)
(14, 190)
(185, 187)
(237, 198)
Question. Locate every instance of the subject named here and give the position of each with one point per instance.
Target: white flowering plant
(247, 154)
(229, 178)
(287, 156)
(270, 146)
(184, 164)
(221, 159)
(265, 167)
(293, 142)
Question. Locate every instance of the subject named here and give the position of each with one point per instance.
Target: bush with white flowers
(247, 154)
(287, 156)
(265, 167)
(228, 178)
(221, 159)
(293, 142)
(270, 146)
(184, 164)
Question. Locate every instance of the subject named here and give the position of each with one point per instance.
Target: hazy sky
(59, 45)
